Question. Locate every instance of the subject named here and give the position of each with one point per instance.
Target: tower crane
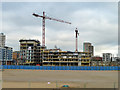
(43, 24)
(76, 31)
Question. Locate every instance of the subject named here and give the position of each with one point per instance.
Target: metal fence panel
(9, 67)
(61, 67)
(5, 67)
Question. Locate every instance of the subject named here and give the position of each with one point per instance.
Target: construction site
(33, 53)
(55, 57)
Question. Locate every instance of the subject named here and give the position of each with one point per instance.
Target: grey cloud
(96, 23)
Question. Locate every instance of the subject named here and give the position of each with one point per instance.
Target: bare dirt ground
(56, 78)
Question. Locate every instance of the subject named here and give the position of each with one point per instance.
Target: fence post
(29, 84)
(114, 85)
(56, 84)
(84, 85)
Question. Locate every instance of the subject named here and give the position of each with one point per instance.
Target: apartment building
(5, 51)
(6, 55)
(107, 57)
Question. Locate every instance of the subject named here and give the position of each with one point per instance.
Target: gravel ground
(76, 79)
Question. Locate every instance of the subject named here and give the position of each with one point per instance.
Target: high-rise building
(87, 47)
(2, 40)
(107, 57)
(5, 51)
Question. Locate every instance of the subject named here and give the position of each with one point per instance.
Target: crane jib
(45, 17)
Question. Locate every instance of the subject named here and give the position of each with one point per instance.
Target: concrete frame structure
(57, 57)
(30, 52)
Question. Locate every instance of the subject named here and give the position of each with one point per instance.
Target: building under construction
(57, 57)
(32, 53)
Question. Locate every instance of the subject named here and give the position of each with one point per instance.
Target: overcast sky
(97, 23)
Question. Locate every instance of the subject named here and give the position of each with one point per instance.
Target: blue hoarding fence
(60, 67)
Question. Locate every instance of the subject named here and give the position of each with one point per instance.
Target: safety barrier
(60, 67)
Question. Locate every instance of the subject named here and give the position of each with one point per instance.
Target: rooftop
(27, 40)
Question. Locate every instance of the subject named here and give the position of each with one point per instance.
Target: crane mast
(76, 31)
(43, 29)
(43, 24)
